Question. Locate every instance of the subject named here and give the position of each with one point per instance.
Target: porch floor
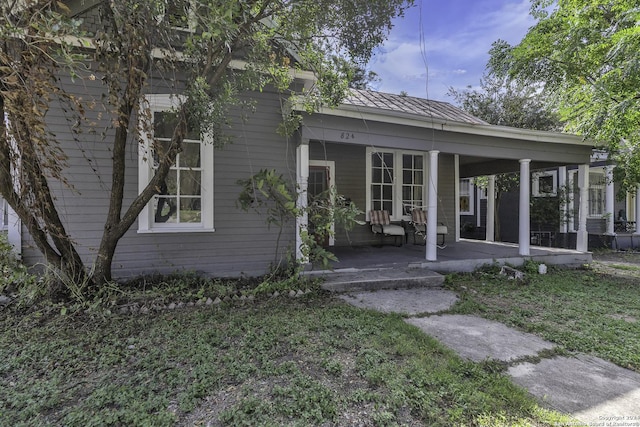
(463, 256)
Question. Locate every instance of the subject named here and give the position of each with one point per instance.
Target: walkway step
(384, 278)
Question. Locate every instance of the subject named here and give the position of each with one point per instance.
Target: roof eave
(415, 120)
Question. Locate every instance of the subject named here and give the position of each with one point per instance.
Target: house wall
(241, 242)
(350, 176)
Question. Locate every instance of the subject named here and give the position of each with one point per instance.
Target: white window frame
(467, 183)
(146, 223)
(535, 179)
(597, 185)
(397, 213)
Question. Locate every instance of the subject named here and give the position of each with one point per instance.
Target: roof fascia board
(402, 118)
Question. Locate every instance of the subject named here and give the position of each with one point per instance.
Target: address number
(347, 135)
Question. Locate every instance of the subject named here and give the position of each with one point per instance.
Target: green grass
(582, 310)
(282, 361)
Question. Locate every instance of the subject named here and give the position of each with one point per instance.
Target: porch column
(637, 213)
(609, 200)
(432, 208)
(524, 237)
(582, 237)
(563, 193)
(456, 194)
(302, 179)
(491, 209)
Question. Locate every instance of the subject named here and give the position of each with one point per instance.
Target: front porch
(462, 256)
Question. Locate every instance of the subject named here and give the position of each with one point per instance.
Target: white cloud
(456, 50)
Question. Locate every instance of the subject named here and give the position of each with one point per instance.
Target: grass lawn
(301, 361)
(309, 360)
(594, 311)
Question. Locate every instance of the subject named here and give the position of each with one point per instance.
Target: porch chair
(381, 224)
(419, 222)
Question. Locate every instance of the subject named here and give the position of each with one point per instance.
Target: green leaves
(587, 54)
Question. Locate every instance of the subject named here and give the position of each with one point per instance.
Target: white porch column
(456, 194)
(524, 225)
(563, 193)
(582, 237)
(637, 213)
(609, 200)
(302, 179)
(432, 208)
(491, 209)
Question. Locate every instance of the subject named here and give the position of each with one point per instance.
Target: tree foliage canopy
(504, 102)
(587, 53)
(186, 47)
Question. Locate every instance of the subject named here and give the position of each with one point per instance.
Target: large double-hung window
(185, 198)
(395, 181)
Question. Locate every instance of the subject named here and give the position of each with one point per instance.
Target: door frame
(331, 166)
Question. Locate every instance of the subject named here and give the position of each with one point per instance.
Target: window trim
(470, 194)
(397, 213)
(601, 186)
(146, 224)
(536, 183)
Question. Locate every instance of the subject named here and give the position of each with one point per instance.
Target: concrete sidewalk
(592, 390)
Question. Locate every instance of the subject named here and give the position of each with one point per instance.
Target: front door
(320, 180)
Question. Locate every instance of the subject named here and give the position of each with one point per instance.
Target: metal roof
(411, 105)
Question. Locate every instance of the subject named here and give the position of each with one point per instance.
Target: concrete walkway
(595, 392)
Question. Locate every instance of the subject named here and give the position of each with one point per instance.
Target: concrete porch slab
(594, 391)
(462, 256)
(480, 339)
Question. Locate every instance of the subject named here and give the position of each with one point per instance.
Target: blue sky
(456, 38)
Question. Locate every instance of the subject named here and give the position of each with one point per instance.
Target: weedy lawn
(594, 311)
(309, 360)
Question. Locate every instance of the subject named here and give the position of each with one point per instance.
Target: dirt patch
(621, 264)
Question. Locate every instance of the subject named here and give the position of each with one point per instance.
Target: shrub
(14, 275)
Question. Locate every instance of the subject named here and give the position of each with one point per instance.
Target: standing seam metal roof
(411, 105)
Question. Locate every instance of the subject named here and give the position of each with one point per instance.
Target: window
(185, 199)
(545, 184)
(395, 181)
(382, 181)
(412, 180)
(597, 191)
(466, 196)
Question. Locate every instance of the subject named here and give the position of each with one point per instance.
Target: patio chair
(381, 224)
(419, 222)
